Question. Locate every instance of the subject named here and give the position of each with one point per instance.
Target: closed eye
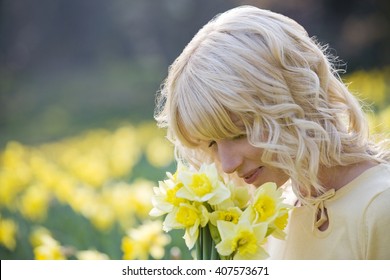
(240, 136)
(212, 143)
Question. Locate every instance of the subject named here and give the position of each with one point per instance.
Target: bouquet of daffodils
(221, 220)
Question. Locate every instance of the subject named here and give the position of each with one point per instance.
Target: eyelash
(212, 143)
(239, 136)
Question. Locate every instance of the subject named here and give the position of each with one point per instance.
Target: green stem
(199, 246)
(207, 243)
(214, 252)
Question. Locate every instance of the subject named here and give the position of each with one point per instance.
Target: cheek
(254, 153)
(272, 175)
(280, 178)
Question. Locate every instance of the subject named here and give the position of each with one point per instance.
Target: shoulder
(374, 197)
(376, 226)
(379, 200)
(374, 181)
(381, 172)
(379, 205)
(367, 187)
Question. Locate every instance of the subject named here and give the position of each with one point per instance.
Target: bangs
(201, 116)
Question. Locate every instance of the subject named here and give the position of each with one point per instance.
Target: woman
(254, 94)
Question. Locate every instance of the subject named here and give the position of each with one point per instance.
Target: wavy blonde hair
(280, 83)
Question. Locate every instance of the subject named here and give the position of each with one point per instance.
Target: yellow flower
(239, 224)
(129, 248)
(15, 173)
(242, 241)
(265, 208)
(151, 238)
(10, 188)
(45, 246)
(171, 195)
(202, 186)
(186, 216)
(369, 85)
(91, 168)
(39, 235)
(8, 230)
(92, 205)
(34, 202)
(127, 201)
(147, 239)
(159, 152)
(165, 199)
(281, 221)
(231, 214)
(102, 216)
(240, 196)
(49, 251)
(268, 207)
(123, 150)
(267, 203)
(189, 217)
(64, 188)
(140, 190)
(91, 255)
(119, 199)
(277, 227)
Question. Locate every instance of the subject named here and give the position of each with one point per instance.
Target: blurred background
(79, 150)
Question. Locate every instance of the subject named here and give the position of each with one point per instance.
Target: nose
(228, 156)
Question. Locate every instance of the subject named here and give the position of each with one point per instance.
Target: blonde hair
(265, 69)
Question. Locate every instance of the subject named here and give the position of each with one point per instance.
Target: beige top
(359, 223)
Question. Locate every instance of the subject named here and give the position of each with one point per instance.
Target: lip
(252, 176)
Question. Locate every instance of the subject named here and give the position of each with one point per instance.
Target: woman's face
(238, 156)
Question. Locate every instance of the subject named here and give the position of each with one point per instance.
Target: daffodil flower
(242, 241)
(202, 186)
(212, 210)
(147, 239)
(231, 214)
(8, 232)
(267, 203)
(50, 249)
(165, 198)
(150, 239)
(189, 217)
(240, 196)
(279, 224)
(91, 255)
